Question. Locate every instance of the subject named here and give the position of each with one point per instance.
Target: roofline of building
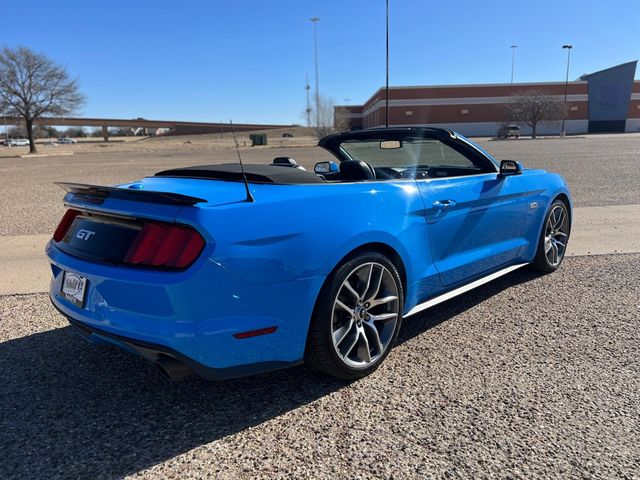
(472, 85)
(610, 68)
(467, 85)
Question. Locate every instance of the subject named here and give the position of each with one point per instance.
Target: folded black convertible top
(277, 174)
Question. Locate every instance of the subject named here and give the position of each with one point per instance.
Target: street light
(315, 21)
(566, 82)
(308, 110)
(513, 59)
(387, 84)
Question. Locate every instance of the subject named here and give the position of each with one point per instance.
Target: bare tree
(533, 107)
(31, 85)
(341, 120)
(45, 131)
(74, 132)
(324, 120)
(96, 133)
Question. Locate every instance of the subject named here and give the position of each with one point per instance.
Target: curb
(38, 155)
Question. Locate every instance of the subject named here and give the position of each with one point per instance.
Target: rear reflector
(255, 333)
(165, 245)
(63, 227)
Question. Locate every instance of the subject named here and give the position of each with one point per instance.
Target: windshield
(408, 153)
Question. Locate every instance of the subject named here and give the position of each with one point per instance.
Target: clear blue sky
(247, 60)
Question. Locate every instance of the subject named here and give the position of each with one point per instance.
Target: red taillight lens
(65, 223)
(164, 245)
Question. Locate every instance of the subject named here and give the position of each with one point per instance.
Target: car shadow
(434, 316)
(70, 409)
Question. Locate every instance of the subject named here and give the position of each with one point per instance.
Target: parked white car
(18, 142)
(66, 141)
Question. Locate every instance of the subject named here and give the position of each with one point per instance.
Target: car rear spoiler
(97, 194)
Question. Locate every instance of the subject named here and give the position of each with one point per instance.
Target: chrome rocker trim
(460, 290)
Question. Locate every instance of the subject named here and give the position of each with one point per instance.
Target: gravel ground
(527, 377)
(600, 170)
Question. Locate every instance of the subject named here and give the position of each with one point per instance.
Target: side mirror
(326, 167)
(510, 167)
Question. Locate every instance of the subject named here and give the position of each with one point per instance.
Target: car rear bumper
(190, 316)
(173, 364)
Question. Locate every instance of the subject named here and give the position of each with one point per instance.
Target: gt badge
(84, 234)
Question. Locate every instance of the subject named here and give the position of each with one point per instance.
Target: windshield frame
(478, 156)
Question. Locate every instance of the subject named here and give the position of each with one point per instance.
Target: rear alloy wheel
(357, 318)
(554, 238)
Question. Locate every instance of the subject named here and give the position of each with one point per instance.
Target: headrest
(356, 170)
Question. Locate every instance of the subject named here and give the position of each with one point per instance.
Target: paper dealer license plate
(73, 288)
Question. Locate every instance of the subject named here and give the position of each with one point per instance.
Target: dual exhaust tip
(172, 368)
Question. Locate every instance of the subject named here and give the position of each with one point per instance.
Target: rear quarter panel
(293, 232)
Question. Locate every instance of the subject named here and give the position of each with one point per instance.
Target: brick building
(604, 101)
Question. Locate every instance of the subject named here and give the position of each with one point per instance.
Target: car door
(476, 220)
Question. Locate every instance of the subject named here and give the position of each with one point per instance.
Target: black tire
(321, 354)
(541, 261)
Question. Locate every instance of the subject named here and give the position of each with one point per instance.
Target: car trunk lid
(140, 223)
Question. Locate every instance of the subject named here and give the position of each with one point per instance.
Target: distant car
(227, 271)
(507, 131)
(66, 141)
(287, 135)
(18, 142)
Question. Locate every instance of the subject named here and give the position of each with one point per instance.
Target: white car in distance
(18, 142)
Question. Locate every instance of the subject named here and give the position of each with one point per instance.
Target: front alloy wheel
(554, 238)
(556, 235)
(357, 317)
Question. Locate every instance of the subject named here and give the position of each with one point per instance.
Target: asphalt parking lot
(527, 377)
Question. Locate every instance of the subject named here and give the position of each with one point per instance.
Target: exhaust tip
(172, 368)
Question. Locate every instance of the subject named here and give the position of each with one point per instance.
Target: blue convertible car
(228, 270)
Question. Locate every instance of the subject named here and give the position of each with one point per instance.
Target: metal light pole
(387, 84)
(308, 110)
(513, 60)
(566, 82)
(315, 21)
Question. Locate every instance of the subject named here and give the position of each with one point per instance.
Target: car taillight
(165, 245)
(65, 223)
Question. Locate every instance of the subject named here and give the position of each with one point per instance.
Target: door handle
(442, 204)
